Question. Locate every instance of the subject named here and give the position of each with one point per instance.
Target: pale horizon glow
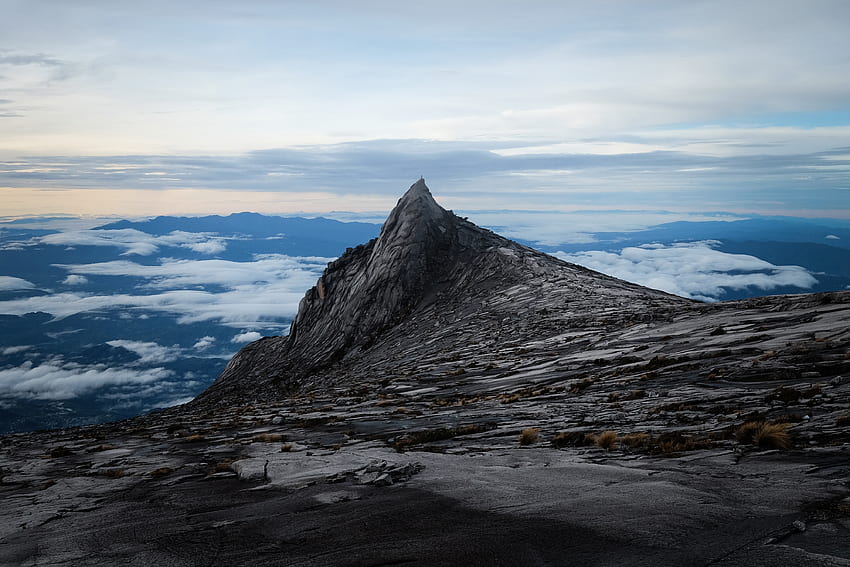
(26, 202)
(296, 106)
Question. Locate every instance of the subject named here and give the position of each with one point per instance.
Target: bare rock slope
(449, 397)
(428, 269)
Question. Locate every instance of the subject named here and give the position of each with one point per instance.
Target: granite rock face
(449, 397)
(426, 260)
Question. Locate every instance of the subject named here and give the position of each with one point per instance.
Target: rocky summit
(449, 397)
(429, 274)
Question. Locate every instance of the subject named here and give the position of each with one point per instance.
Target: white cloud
(832, 237)
(246, 337)
(692, 269)
(149, 353)
(182, 274)
(136, 242)
(268, 289)
(14, 349)
(75, 279)
(9, 283)
(204, 343)
(58, 380)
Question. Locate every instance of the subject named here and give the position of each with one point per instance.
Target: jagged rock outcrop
(430, 263)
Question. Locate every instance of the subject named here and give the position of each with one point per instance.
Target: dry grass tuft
(747, 431)
(580, 385)
(606, 440)
(440, 434)
(773, 436)
(529, 436)
(635, 440)
(570, 439)
(286, 448)
(225, 465)
(843, 420)
(635, 395)
(764, 435)
(161, 471)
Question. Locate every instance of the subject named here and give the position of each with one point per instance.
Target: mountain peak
(426, 264)
(419, 198)
(415, 217)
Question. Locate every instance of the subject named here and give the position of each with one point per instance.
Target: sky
(209, 106)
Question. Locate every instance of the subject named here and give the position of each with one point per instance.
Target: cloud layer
(800, 170)
(136, 242)
(9, 283)
(60, 380)
(259, 292)
(692, 269)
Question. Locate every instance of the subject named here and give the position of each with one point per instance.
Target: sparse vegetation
(268, 438)
(406, 411)
(510, 398)
(635, 395)
(580, 386)
(606, 440)
(529, 436)
(160, 472)
(225, 465)
(439, 434)
(570, 439)
(843, 420)
(286, 448)
(635, 440)
(675, 442)
(765, 435)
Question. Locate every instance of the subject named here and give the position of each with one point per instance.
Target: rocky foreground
(506, 409)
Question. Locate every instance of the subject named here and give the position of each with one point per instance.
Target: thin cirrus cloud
(693, 269)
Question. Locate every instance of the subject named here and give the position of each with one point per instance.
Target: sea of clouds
(692, 269)
(264, 290)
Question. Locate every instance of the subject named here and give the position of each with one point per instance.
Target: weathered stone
(641, 414)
